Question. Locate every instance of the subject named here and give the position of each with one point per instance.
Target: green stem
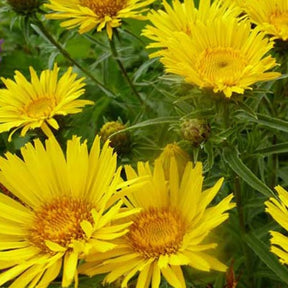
(123, 70)
(226, 113)
(243, 230)
(274, 169)
(69, 57)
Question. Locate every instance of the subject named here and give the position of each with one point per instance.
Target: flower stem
(243, 230)
(123, 70)
(69, 57)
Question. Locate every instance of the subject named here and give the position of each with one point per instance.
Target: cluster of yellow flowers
(70, 207)
(73, 213)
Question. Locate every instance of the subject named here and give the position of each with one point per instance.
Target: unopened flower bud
(25, 7)
(121, 142)
(173, 151)
(195, 131)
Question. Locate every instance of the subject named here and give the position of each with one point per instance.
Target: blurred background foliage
(247, 141)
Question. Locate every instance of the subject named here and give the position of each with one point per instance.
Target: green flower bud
(120, 142)
(25, 7)
(195, 131)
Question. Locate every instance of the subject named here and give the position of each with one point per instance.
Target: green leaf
(155, 121)
(208, 148)
(232, 159)
(247, 110)
(262, 251)
(273, 149)
(267, 121)
(143, 69)
(273, 123)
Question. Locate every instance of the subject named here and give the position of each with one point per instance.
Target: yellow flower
(169, 231)
(90, 14)
(173, 150)
(181, 17)
(30, 105)
(271, 16)
(224, 55)
(278, 209)
(63, 210)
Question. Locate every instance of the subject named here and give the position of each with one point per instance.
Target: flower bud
(195, 131)
(121, 142)
(181, 157)
(25, 7)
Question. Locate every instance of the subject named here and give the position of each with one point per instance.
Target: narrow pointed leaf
(273, 149)
(262, 250)
(232, 159)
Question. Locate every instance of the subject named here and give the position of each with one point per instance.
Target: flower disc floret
(60, 222)
(156, 232)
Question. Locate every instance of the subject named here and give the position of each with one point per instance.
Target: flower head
(271, 16)
(62, 211)
(168, 232)
(181, 17)
(278, 209)
(90, 14)
(30, 105)
(225, 64)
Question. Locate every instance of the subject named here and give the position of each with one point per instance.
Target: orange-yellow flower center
(280, 21)
(157, 231)
(104, 8)
(41, 107)
(221, 66)
(59, 222)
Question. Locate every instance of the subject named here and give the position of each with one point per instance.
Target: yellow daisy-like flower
(168, 232)
(225, 55)
(278, 209)
(271, 16)
(181, 16)
(30, 105)
(90, 14)
(62, 212)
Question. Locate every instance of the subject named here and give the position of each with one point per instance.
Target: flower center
(280, 21)
(40, 107)
(59, 222)
(157, 231)
(221, 65)
(104, 8)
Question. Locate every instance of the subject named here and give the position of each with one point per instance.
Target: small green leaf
(232, 159)
(262, 251)
(267, 121)
(273, 123)
(155, 121)
(273, 149)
